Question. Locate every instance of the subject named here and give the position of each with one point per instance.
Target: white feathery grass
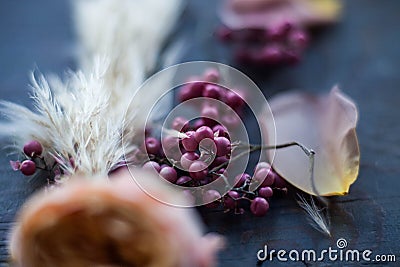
(130, 33)
(316, 215)
(78, 125)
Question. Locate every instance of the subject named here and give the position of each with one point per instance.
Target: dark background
(361, 54)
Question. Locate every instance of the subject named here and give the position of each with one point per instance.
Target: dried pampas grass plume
(112, 223)
(130, 33)
(83, 116)
(72, 120)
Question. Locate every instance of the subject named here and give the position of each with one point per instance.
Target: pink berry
(169, 174)
(241, 179)
(209, 113)
(279, 181)
(230, 121)
(33, 148)
(152, 145)
(218, 161)
(265, 192)
(198, 123)
(259, 206)
(230, 199)
(223, 146)
(260, 165)
(265, 176)
(27, 167)
(170, 143)
(220, 130)
(183, 180)
(204, 132)
(211, 91)
(210, 197)
(272, 55)
(211, 75)
(187, 159)
(233, 99)
(180, 124)
(151, 165)
(198, 170)
(190, 90)
(190, 143)
(299, 39)
(280, 32)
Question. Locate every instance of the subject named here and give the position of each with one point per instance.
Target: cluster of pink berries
(207, 88)
(238, 198)
(283, 44)
(33, 151)
(34, 161)
(204, 149)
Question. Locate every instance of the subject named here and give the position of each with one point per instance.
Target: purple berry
(279, 181)
(220, 130)
(152, 145)
(230, 121)
(241, 179)
(272, 55)
(265, 176)
(198, 170)
(280, 32)
(187, 159)
(169, 174)
(230, 199)
(265, 192)
(180, 124)
(190, 143)
(170, 143)
(223, 146)
(151, 165)
(183, 180)
(260, 165)
(204, 132)
(233, 99)
(198, 123)
(27, 167)
(218, 161)
(259, 206)
(211, 91)
(190, 90)
(211, 75)
(210, 197)
(299, 39)
(33, 148)
(209, 113)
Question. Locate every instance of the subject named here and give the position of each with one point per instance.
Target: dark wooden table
(361, 54)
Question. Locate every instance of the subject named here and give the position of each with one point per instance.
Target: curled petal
(325, 124)
(241, 14)
(108, 223)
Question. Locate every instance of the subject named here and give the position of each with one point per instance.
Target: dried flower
(325, 124)
(86, 223)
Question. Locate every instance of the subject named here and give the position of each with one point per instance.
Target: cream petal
(325, 124)
(241, 14)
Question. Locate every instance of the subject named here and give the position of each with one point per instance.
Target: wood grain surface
(361, 54)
